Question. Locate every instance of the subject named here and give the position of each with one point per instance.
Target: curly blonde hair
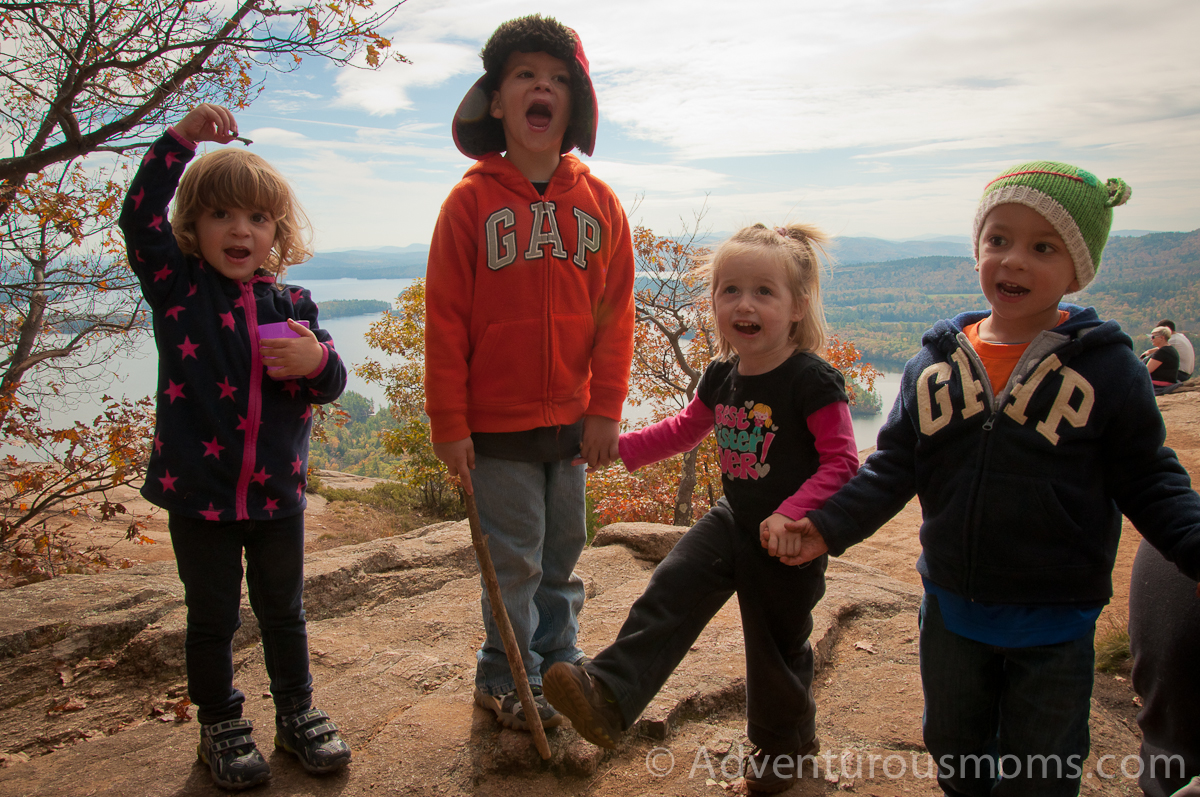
(795, 247)
(235, 178)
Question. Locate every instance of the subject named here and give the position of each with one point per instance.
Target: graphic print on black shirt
(766, 448)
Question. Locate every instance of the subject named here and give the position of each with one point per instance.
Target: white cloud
(874, 117)
(386, 90)
(379, 188)
(721, 79)
(660, 178)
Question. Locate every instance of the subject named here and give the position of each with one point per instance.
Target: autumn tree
(68, 476)
(401, 334)
(673, 342)
(85, 77)
(102, 78)
(83, 84)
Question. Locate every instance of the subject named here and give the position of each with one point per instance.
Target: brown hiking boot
(585, 701)
(768, 773)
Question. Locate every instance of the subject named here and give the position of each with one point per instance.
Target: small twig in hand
(245, 141)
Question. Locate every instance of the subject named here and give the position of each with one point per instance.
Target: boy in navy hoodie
(1027, 432)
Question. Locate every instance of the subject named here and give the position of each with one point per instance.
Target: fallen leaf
(867, 646)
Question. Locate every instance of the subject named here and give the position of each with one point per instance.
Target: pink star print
(243, 424)
(212, 448)
(175, 311)
(292, 387)
(174, 391)
(227, 321)
(137, 198)
(192, 290)
(188, 348)
(162, 273)
(297, 466)
(295, 295)
(156, 222)
(157, 445)
(211, 513)
(227, 390)
(168, 481)
(300, 490)
(149, 156)
(271, 505)
(238, 303)
(260, 477)
(307, 413)
(171, 158)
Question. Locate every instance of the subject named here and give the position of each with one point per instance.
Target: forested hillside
(885, 307)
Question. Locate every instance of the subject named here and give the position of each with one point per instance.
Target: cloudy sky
(866, 117)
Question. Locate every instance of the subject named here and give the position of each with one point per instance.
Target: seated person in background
(1179, 342)
(1163, 363)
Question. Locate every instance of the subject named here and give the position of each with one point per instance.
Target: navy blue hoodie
(230, 443)
(1022, 493)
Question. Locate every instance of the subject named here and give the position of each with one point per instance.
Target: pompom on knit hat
(1073, 200)
(477, 134)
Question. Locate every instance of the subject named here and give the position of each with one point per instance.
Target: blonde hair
(235, 178)
(795, 248)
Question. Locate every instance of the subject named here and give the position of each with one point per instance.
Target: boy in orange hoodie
(528, 338)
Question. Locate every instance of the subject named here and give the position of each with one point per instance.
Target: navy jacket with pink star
(230, 442)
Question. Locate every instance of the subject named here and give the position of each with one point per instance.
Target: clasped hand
(793, 541)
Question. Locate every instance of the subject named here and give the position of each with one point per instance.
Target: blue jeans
(1005, 721)
(706, 567)
(533, 516)
(209, 557)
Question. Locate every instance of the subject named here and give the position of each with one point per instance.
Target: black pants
(708, 565)
(1164, 637)
(209, 557)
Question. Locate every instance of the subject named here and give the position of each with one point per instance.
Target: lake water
(139, 367)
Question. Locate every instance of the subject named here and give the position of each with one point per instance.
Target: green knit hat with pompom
(1073, 200)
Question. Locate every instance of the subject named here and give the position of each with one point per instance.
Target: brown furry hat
(478, 134)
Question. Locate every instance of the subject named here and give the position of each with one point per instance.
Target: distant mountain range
(388, 262)
(885, 306)
(408, 262)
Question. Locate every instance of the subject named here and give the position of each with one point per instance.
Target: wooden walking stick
(511, 649)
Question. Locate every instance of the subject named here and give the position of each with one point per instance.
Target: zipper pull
(990, 422)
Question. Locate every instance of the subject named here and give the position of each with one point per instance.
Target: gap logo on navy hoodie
(1022, 493)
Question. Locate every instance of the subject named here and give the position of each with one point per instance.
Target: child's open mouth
(1010, 289)
(538, 116)
(237, 253)
(746, 327)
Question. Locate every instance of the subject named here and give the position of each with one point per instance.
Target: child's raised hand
(812, 544)
(208, 122)
(288, 358)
